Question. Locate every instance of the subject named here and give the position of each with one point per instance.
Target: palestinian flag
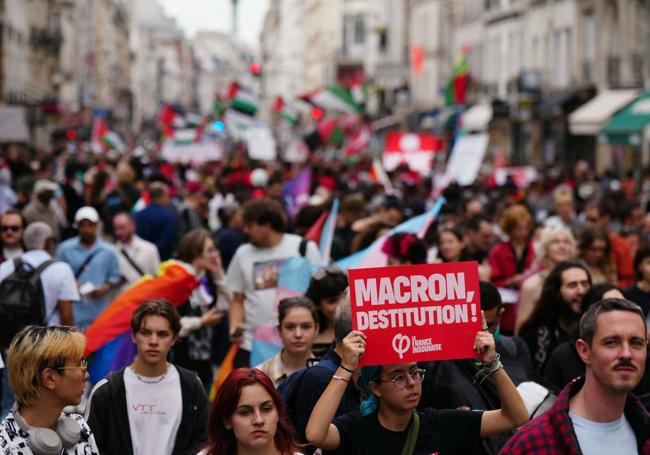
(243, 100)
(286, 112)
(103, 139)
(334, 98)
(458, 81)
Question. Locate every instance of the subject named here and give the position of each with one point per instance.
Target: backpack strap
(412, 436)
(83, 265)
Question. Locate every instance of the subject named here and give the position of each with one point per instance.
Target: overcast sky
(196, 15)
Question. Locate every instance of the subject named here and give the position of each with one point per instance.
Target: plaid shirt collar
(560, 420)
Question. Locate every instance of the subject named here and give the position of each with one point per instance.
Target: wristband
(346, 369)
(340, 378)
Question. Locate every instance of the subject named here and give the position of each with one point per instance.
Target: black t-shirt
(443, 432)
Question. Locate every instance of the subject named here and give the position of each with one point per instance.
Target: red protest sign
(414, 149)
(416, 313)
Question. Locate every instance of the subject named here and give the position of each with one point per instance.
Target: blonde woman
(555, 245)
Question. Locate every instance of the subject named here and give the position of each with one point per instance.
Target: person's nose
(258, 420)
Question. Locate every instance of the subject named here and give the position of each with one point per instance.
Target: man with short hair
(136, 256)
(479, 238)
(94, 264)
(157, 222)
(253, 273)
(41, 207)
(12, 226)
(57, 279)
(151, 406)
(597, 414)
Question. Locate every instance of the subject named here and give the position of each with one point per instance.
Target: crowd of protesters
(565, 289)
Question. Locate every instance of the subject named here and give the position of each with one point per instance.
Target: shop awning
(627, 127)
(477, 117)
(13, 124)
(590, 118)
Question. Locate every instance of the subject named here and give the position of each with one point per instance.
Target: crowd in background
(546, 254)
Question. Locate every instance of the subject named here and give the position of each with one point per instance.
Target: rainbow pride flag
(373, 256)
(108, 339)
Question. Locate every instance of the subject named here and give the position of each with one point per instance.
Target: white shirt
(57, 279)
(155, 409)
(143, 253)
(609, 437)
(254, 271)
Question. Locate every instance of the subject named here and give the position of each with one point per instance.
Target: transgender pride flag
(373, 256)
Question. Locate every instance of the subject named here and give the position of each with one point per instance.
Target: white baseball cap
(86, 213)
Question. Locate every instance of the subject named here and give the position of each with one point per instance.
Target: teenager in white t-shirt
(247, 417)
(151, 406)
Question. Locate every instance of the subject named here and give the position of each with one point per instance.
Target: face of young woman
(255, 420)
(450, 246)
(298, 331)
(400, 386)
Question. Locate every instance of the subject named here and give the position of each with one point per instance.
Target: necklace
(154, 381)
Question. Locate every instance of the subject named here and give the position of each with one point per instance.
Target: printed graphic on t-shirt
(147, 409)
(265, 274)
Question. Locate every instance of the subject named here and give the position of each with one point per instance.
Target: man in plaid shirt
(597, 413)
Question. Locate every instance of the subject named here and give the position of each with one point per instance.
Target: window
(359, 30)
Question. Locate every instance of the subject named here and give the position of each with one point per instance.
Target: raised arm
(513, 412)
(320, 430)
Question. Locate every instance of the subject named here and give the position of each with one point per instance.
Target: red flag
(316, 231)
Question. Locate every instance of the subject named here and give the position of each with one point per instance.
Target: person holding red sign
(389, 423)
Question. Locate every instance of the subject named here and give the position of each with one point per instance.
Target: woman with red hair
(248, 416)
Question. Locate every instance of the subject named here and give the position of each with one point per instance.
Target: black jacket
(108, 418)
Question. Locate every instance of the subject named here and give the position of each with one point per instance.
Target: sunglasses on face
(329, 270)
(10, 228)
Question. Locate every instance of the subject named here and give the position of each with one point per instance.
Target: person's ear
(374, 388)
(48, 379)
(501, 311)
(584, 351)
(227, 424)
(176, 337)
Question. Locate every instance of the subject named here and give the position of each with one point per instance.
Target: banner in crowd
(260, 143)
(416, 313)
(416, 150)
(465, 160)
(196, 153)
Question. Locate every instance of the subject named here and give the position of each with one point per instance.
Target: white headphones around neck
(44, 441)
